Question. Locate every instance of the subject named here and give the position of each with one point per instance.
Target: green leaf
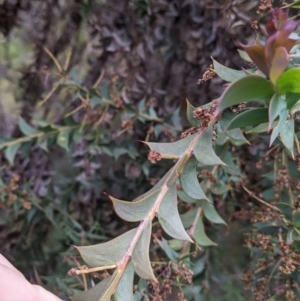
(189, 181)
(171, 150)
(292, 99)
(235, 134)
(289, 82)
(95, 292)
(226, 73)
(184, 197)
(244, 55)
(200, 235)
(10, 152)
(140, 254)
(204, 151)
(63, 139)
(25, 128)
(173, 255)
(190, 114)
(282, 118)
(43, 143)
(212, 215)
(108, 253)
(287, 135)
(169, 217)
(188, 217)
(262, 128)
(136, 210)
(246, 89)
(277, 104)
(124, 290)
(251, 117)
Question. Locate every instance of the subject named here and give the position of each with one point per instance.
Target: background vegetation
(82, 83)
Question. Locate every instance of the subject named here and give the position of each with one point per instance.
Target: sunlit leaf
(140, 254)
(200, 236)
(10, 152)
(246, 89)
(190, 115)
(25, 128)
(289, 82)
(108, 253)
(226, 73)
(287, 135)
(204, 151)
(171, 150)
(124, 290)
(136, 210)
(251, 117)
(212, 215)
(169, 217)
(189, 181)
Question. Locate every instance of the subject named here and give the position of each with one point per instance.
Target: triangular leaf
(63, 139)
(184, 197)
(95, 292)
(244, 55)
(226, 73)
(235, 134)
(188, 217)
(246, 89)
(287, 135)
(140, 254)
(173, 255)
(189, 181)
(25, 128)
(200, 236)
(135, 211)
(204, 151)
(169, 217)
(108, 253)
(212, 215)
(10, 152)
(262, 128)
(190, 114)
(124, 290)
(250, 117)
(282, 118)
(277, 104)
(171, 150)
